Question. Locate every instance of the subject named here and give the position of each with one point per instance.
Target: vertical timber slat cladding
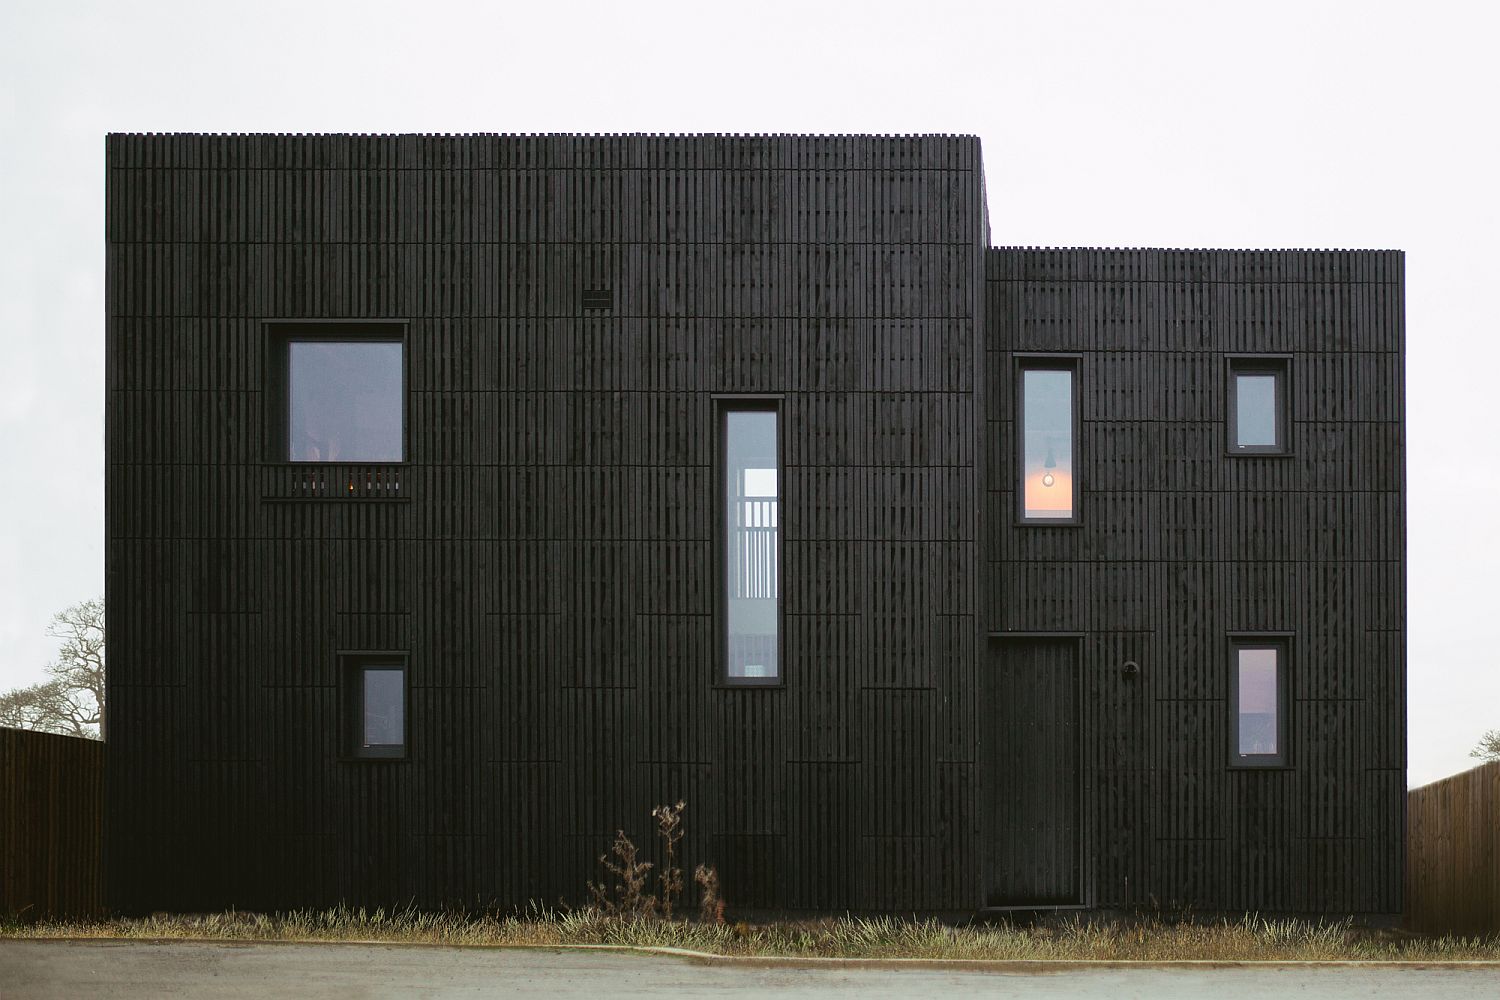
(1029, 773)
(1453, 860)
(575, 313)
(573, 310)
(51, 826)
(1184, 546)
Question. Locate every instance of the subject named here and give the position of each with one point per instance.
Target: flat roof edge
(548, 135)
(1156, 249)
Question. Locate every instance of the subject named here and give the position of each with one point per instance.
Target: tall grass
(1251, 938)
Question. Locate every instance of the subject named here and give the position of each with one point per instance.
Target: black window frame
(352, 668)
(1281, 643)
(1278, 365)
(1073, 365)
(281, 334)
(723, 406)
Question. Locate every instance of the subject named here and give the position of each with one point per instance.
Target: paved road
(140, 971)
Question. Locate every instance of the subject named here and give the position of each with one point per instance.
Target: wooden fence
(1453, 854)
(51, 825)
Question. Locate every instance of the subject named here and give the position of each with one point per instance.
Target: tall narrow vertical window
(1258, 410)
(751, 485)
(1048, 438)
(1257, 702)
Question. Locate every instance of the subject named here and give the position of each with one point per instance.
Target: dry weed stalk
(631, 898)
(711, 909)
(669, 828)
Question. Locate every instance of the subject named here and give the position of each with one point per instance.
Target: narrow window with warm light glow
(1257, 696)
(1048, 432)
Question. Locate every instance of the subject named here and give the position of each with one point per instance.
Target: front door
(1029, 763)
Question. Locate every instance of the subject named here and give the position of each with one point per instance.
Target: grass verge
(1249, 939)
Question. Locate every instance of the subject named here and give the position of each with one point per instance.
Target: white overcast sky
(1268, 124)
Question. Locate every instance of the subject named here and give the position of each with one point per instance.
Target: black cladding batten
(955, 725)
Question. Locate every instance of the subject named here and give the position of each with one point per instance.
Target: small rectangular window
(338, 393)
(1258, 410)
(374, 722)
(750, 480)
(1048, 438)
(1257, 702)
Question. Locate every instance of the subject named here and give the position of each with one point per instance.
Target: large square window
(1259, 412)
(1257, 702)
(374, 705)
(340, 393)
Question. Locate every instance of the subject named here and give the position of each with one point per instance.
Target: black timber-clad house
(470, 495)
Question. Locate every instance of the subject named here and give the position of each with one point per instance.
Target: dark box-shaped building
(468, 496)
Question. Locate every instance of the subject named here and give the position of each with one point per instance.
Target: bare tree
(71, 701)
(36, 707)
(1489, 747)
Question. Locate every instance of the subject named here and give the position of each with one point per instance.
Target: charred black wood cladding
(575, 309)
(544, 556)
(1183, 546)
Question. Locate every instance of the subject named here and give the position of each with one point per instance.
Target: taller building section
(471, 495)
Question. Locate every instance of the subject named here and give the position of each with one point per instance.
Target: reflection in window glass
(1255, 410)
(1258, 701)
(1047, 443)
(344, 401)
(384, 707)
(752, 523)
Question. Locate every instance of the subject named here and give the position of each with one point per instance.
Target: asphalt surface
(33, 970)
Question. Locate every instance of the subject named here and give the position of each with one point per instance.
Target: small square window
(1257, 702)
(1259, 413)
(374, 705)
(338, 393)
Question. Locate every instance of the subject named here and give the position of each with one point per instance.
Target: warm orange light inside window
(1044, 499)
(1047, 434)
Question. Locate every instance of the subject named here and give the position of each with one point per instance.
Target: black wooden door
(1029, 764)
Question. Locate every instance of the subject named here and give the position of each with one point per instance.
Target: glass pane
(760, 482)
(344, 401)
(1047, 437)
(385, 707)
(1258, 701)
(752, 522)
(1255, 410)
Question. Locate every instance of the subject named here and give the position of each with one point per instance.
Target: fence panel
(1453, 854)
(51, 825)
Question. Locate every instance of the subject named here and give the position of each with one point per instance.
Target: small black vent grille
(598, 298)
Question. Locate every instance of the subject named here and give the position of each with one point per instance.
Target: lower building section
(1050, 770)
